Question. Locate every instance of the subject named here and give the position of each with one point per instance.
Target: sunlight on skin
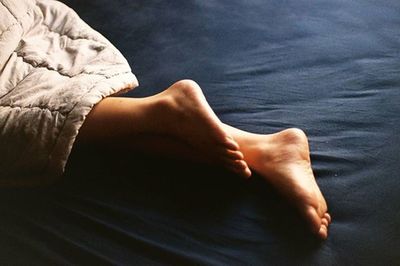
(182, 113)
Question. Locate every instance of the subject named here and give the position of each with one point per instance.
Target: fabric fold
(53, 69)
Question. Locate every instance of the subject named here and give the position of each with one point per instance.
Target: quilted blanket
(330, 67)
(53, 69)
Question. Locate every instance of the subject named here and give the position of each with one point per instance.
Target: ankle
(292, 136)
(266, 151)
(291, 145)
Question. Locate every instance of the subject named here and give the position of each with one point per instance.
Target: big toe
(242, 168)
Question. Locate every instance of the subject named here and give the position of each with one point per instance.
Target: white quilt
(53, 69)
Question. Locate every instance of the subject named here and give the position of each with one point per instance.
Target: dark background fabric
(331, 68)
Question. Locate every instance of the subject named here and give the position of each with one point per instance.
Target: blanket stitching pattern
(32, 107)
(72, 38)
(66, 75)
(58, 110)
(65, 99)
(76, 103)
(42, 66)
(9, 28)
(9, 11)
(15, 86)
(28, 12)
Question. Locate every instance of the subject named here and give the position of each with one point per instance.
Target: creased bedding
(330, 67)
(53, 69)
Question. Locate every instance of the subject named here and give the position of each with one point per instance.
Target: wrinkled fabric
(54, 69)
(330, 67)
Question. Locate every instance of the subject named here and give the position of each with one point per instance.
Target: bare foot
(283, 160)
(188, 116)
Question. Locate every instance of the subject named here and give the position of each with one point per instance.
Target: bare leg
(179, 122)
(178, 118)
(283, 160)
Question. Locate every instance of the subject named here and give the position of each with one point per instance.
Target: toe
(325, 222)
(231, 144)
(313, 219)
(241, 164)
(327, 216)
(241, 168)
(247, 173)
(234, 155)
(323, 232)
(318, 225)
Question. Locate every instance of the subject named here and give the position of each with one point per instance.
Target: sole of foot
(283, 160)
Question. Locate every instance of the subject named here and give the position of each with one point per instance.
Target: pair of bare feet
(182, 113)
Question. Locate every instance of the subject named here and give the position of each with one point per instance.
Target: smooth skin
(179, 123)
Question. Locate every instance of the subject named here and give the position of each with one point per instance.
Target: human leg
(176, 122)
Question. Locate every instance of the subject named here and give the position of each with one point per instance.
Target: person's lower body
(179, 123)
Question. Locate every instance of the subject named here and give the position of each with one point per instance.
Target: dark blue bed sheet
(331, 68)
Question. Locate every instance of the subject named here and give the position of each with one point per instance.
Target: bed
(331, 68)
